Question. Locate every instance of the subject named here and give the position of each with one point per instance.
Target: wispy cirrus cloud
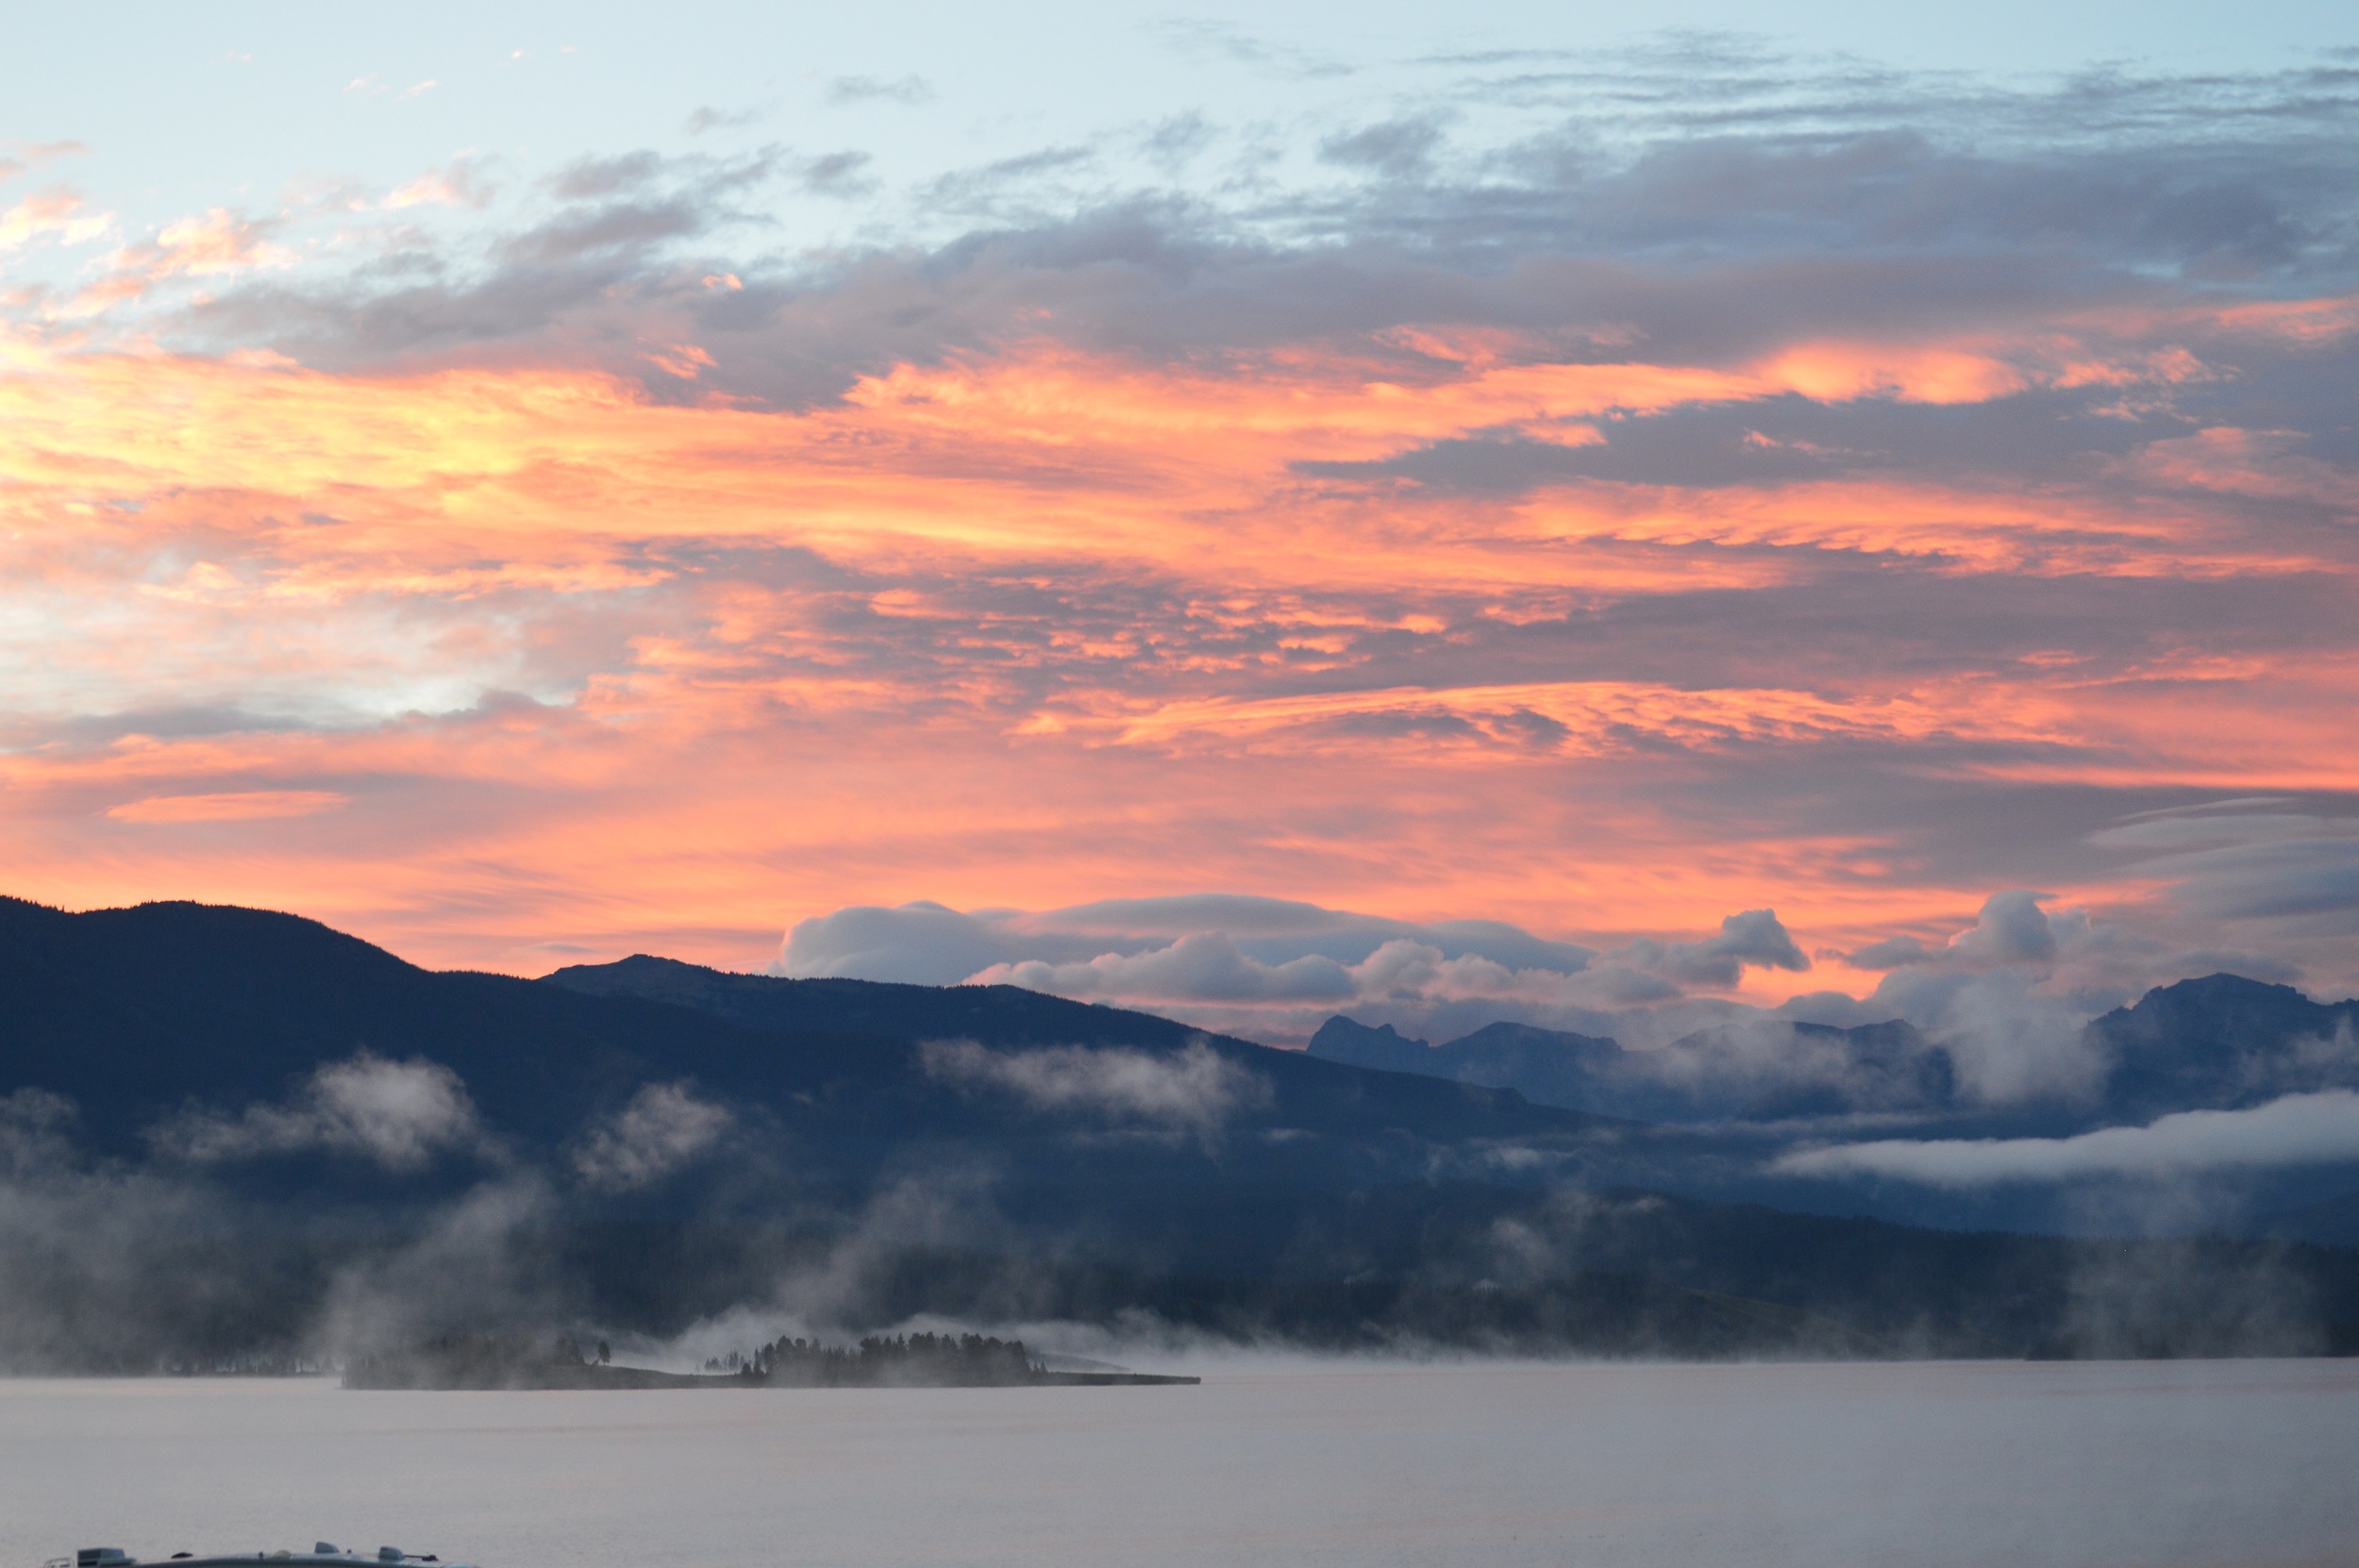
(862, 90)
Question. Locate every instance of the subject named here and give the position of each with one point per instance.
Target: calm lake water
(2248, 1462)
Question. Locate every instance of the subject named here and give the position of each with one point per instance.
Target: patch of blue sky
(308, 113)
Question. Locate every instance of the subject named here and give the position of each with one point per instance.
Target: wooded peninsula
(899, 1361)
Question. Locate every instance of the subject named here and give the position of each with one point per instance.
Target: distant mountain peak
(2223, 1042)
(1338, 1030)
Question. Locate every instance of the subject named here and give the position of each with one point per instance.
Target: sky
(1248, 512)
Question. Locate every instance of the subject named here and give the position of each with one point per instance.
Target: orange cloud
(1588, 718)
(460, 657)
(217, 245)
(1039, 451)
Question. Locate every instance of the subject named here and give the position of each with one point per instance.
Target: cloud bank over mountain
(2005, 995)
(1193, 952)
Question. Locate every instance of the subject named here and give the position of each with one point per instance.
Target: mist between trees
(241, 1140)
(127, 1271)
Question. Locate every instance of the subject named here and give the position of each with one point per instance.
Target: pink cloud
(1034, 626)
(229, 806)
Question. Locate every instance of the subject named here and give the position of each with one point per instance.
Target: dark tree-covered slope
(134, 1012)
(873, 1151)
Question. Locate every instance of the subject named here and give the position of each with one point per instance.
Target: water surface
(2147, 1464)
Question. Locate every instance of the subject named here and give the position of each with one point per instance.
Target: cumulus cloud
(2297, 1130)
(1197, 1088)
(663, 1128)
(2007, 996)
(1755, 937)
(2010, 928)
(58, 215)
(399, 1115)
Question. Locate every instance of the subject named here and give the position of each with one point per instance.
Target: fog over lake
(2145, 1463)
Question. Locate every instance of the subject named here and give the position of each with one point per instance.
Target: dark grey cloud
(1395, 149)
(625, 228)
(1172, 142)
(2039, 433)
(840, 174)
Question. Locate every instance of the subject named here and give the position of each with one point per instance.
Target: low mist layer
(240, 1139)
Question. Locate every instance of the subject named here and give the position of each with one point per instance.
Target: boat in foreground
(321, 1555)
